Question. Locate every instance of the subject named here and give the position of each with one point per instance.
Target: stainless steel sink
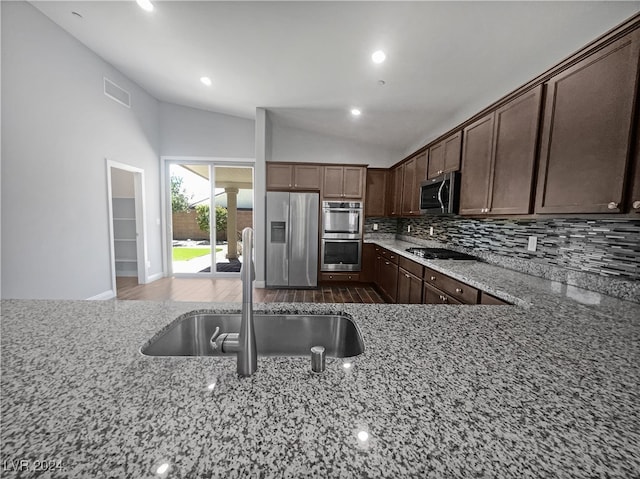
(276, 335)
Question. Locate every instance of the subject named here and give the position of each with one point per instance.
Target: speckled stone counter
(548, 388)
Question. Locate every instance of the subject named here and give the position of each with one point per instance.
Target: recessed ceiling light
(206, 81)
(378, 56)
(356, 112)
(382, 82)
(146, 5)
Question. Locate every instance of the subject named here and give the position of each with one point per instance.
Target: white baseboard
(102, 296)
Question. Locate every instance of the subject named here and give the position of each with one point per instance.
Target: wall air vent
(116, 93)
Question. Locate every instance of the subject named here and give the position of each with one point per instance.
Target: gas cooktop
(439, 253)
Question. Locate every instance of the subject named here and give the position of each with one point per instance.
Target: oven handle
(350, 210)
(342, 240)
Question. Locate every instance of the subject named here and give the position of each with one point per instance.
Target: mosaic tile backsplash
(569, 250)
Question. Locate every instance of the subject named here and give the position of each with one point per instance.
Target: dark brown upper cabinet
(634, 198)
(499, 155)
(376, 192)
(395, 190)
(414, 173)
(444, 156)
(514, 154)
(344, 182)
(293, 176)
(587, 132)
(476, 166)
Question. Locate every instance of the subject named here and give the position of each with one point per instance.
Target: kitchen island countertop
(548, 387)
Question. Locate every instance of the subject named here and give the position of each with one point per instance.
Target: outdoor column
(232, 222)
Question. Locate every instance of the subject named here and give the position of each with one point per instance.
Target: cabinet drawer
(486, 298)
(389, 255)
(411, 266)
(433, 295)
(461, 291)
(340, 277)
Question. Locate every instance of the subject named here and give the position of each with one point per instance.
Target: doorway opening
(126, 224)
(210, 203)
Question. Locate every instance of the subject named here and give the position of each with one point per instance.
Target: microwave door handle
(440, 196)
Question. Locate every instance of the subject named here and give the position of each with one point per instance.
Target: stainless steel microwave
(440, 195)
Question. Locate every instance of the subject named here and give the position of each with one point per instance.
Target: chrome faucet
(244, 343)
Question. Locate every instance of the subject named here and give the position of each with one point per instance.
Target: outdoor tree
(179, 198)
(202, 217)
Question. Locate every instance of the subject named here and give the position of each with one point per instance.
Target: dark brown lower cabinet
(340, 277)
(435, 296)
(451, 287)
(488, 299)
(389, 280)
(368, 270)
(409, 288)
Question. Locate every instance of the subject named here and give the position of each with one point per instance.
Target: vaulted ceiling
(309, 63)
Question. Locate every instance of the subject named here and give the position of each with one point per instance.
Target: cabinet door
(634, 198)
(408, 181)
(396, 200)
(476, 166)
(279, 176)
(307, 177)
(445, 156)
(409, 288)
(516, 136)
(452, 147)
(436, 160)
(419, 177)
(377, 272)
(587, 130)
(389, 279)
(376, 192)
(353, 182)
(332, 185)
(368, 271)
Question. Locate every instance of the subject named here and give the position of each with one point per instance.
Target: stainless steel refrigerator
(292, 239)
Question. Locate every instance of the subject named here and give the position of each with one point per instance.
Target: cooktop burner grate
(439, 253)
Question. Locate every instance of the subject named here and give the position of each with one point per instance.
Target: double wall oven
(342, 226)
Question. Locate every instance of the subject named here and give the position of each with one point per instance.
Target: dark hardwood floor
(230, 290)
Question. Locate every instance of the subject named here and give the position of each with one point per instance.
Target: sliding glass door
(211, 202)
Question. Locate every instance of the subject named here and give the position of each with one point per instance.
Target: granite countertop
(548, 387)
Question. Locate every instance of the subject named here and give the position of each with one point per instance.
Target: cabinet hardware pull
(613, 205)
(406, 275)
(636, 205)
(458, 290)
(386, 262)
(433, 278)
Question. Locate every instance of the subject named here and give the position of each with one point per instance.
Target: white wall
(58, 128)
(297, 145)
(191, 132)
(260, 196)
